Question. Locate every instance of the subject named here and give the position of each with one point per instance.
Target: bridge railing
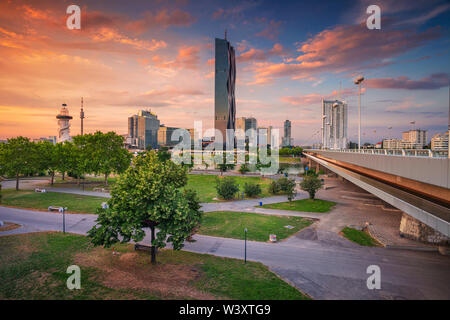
(393, 152)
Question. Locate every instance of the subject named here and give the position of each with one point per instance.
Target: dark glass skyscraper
(225, 78)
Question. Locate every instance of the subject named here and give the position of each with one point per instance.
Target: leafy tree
(274, 187)
(48, 159)
(163, 154)
(18, 156)
(252, 189)
(311, 184)
(226, 187)
(148, 195)
(63, 157)
(103, 153)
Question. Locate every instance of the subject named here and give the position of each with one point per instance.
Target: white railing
(394, 152)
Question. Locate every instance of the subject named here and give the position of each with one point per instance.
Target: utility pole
(82, 115)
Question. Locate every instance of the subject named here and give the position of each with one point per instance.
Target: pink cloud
(434, 81)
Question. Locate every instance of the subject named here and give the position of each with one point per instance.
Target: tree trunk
(63, 173)
(153, 249)
(106, 179)
(78, 180)
(17, 181)
(53, 177)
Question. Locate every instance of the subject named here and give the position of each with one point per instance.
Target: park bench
(100, 190)
(54, 208)
(39, 190)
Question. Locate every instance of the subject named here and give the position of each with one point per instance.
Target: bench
(100, 190)
(53, 208)
(39, 190)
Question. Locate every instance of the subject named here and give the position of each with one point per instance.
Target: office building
(414, 139)
(440, 142)
(265, 136)
(165, 136)
(143, 130)
(224, 85)
(246, 124)
(287, 140)
(334, 124)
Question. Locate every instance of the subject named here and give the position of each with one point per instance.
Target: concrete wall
(435, 171)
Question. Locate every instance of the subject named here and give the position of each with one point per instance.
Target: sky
(159, 55)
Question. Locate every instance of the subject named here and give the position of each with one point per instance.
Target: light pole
(358, 81)
(245, 248)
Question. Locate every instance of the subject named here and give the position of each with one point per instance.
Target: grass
(230, 224)
(286, 159)
(305, 205)
(33, 266)
(205, 185)
(34, 200)
(360, 237)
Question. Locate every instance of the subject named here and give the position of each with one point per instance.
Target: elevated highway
(417, 185)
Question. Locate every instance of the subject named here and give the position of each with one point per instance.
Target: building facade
(165, 136)
(287, 140)
(439, 141)
(414, 139)
(224, 87)
(246, 124)
(334, 124)
(392, 144)
(265, 136)
(143, 130)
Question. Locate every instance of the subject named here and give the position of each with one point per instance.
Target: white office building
(334, 124)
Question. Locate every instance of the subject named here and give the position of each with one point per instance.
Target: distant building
(392, 144)
(246, 123)
(440, 141)
(265, 136)
(334, 124)
(51, 139)
(287, 140)
(224, 85)
(414, 139)
(143, 130)
(165, 136)
(378, 145)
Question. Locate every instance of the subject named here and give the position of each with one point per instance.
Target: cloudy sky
(159, 55)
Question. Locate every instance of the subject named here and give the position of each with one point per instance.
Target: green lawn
(230, 224)
(33, 266)
(285, 159)
(306, 205)
(205, 185)
(34, 200)
(360, 237)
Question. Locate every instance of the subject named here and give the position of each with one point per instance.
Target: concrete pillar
(412, 228)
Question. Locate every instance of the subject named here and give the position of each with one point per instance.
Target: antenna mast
(82, 115)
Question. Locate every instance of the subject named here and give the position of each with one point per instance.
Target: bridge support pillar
(414, 229)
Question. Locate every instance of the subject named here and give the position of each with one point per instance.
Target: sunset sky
(159, 55)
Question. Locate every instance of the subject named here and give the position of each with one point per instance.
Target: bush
(274, 187)
(244, 169)
(252, 189)
(226, 188)
(311, 184)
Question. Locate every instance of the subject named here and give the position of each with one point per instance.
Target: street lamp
(358, 82)
(323, 131)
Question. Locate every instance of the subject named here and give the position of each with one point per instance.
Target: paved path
(323, 270)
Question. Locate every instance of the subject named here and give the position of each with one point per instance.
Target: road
(323, 270)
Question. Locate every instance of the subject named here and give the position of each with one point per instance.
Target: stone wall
(414, 229)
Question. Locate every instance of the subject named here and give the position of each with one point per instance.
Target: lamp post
(245, 246)
(358, 82)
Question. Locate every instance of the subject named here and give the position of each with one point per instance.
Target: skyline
(160, 56)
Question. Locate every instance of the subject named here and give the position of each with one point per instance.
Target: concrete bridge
(416, 183)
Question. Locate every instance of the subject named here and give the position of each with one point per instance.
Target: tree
(163, 154)
(48, 159)
(148, 195)
(226, 187)
(63, 155)
(252, 189)
(18, 156)
(104, 152)
(311, 184)
(243, 169)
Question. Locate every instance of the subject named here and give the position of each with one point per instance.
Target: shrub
(226, 188)
(274, 187)
(286, 184)
(244, 169)
(252, 189)
(311, 184)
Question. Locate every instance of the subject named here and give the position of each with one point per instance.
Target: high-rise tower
(224, 86)
(64, 124)
(334, 124)
(82, 115)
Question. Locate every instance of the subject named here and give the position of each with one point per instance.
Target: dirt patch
(9, 226)
(133, 270)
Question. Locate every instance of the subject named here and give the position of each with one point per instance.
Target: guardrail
(427, 153)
